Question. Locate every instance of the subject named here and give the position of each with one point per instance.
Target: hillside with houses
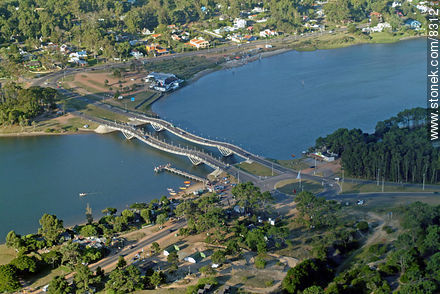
(39, 36)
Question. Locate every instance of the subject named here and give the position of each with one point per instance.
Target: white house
(136, 54)
(268, 33)
(199, 43)
(240, 23)
(146, 32)
(380, 27)
(422, 8)
(258, 9)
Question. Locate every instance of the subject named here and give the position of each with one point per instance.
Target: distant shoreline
(226, 65)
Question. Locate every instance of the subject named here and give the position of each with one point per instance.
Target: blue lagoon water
(274, 107)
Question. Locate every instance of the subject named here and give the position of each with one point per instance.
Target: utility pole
(314, 170)
(424, 175)
(383, 183)
(342, 182)
(378, 176)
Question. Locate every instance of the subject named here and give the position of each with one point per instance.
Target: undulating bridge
(195, 156)
(225, 149)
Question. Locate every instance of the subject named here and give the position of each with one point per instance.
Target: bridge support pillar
(195, 160)
(225, 151)
(156, 127)
(127, 135)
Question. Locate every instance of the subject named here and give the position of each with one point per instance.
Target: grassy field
(349, 188)
(385, 203)
(287, 186)
(344, 39)
(295, 164)
(255, 169)
(94, 110)
(50, 125)
(6, 254)
(148, 95)
(183, 67)
(44, 278)
(88, 88)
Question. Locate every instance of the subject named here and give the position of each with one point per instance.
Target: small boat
(187, 185)
(173, 193)
(187, 182)
(182, 188)
(169, 189)
(82, 194)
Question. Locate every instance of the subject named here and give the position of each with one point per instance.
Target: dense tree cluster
(399, 150)
(410, 264)
(18, 105)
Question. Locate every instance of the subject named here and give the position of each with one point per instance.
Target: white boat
(82, 194)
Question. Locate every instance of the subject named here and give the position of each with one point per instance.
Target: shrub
(388, 229)
(260, 262)
(362, 226)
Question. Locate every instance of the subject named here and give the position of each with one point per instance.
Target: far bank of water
(278, 106)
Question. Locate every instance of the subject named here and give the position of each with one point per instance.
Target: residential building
(199, 43)
(413, 24)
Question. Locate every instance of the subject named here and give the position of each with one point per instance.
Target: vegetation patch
(256, 169)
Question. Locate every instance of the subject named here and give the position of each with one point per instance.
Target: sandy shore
(37, 134)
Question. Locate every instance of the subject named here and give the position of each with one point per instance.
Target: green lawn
(6, 254)
(295, 164)
(94, 110)
(44, 278)
(183, 67)
(287, 186)
(87, 87)
(256, 169)
(349, 188)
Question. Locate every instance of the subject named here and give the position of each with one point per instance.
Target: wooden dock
(176, 171)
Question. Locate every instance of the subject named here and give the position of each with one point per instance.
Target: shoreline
(39, 134)
(223, 66)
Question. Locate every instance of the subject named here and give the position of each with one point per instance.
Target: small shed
(171, 249)
(195, 257)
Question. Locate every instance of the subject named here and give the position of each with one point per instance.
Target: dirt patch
(95, 82)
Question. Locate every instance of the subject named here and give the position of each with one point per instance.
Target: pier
(176, 171)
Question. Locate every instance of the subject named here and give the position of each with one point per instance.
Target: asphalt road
(138, 246)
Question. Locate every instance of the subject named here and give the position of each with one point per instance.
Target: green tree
(146, 215)
(157, 278)
(84, 278)
(14, 241)
(124, 280)
(173, 260)
(121, 262)
(155, 247)
(25, 264)
(219, 256)
(51, 228)
(109, 211)
(9, 280)
(59, 285)
(161, 219)
(88, 231)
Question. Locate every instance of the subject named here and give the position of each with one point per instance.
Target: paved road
(138, 246)
(217, 50)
